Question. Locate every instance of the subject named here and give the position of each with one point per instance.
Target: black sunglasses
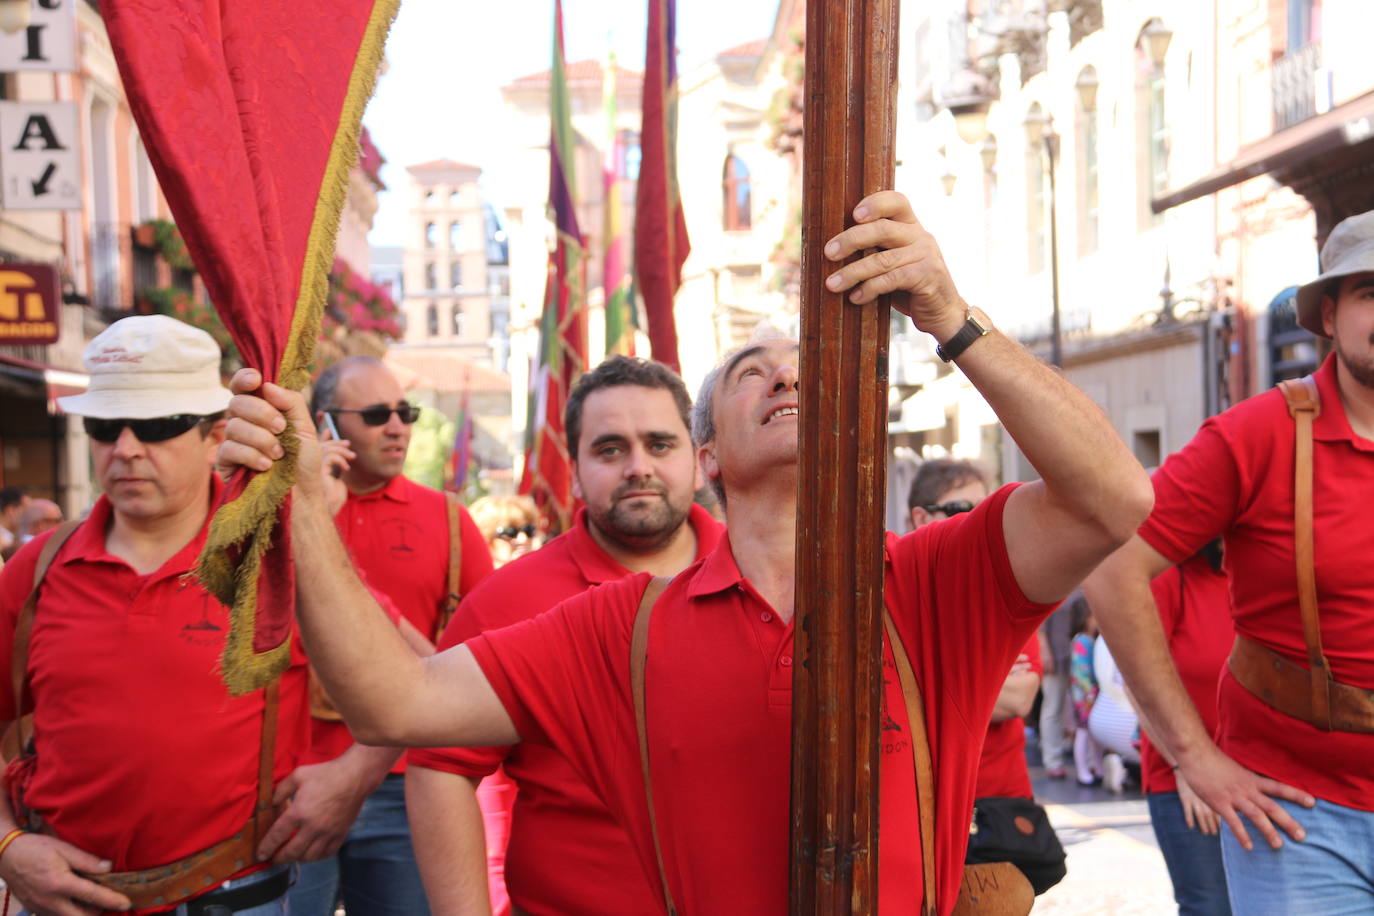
(957, 507)
(157, 429)
(510, 532)
(379, 414)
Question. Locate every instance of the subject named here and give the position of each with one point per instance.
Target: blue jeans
(1193, 859)
(374, 872)
(276, 907)
(1331, 873)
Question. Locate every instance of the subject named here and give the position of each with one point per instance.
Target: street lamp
(988, 153)
(1040, 132)
(968, 96)
(1157, 37)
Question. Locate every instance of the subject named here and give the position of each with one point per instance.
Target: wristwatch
(951, 349)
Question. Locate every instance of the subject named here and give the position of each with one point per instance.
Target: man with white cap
(1285, 478)
(146, 786)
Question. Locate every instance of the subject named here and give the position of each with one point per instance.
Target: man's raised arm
(387, 694)
(1092, 494)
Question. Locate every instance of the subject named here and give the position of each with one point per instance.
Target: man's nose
(785, 378)
(127, 445)
(638, 465)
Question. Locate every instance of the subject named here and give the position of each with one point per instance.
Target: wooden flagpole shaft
(850, 86)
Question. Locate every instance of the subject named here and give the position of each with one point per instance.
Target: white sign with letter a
(47, 43)
(40, 164)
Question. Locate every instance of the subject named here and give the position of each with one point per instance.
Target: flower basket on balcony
(164, 236)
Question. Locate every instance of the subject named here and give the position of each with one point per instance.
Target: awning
(59, 382)
(1343, 126)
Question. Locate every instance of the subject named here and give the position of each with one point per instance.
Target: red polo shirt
(1002, 769)
(143, 757)
(1195, 608)
(1235, 478)
(720, 709)
(567, 855)
(398, 538)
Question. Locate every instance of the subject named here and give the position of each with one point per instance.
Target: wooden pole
(850, 114)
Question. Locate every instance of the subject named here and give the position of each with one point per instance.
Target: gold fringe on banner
(246, 524)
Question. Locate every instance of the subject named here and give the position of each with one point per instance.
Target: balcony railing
(1295, 86)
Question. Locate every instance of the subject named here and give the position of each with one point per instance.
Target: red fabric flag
(563, 327)
(661, 244)
(250, 112)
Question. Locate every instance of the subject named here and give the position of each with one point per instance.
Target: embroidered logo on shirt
(401, 538)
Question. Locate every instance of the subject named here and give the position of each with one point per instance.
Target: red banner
(30, 305)
(250, 113)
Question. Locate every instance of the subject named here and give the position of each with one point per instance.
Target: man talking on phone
(422, 550)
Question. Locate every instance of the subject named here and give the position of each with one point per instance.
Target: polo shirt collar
(397, 489)
(597, 566)
(717, 573)
(1333, 425)
(87, 543)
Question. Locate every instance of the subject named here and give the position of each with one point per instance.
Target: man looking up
(635, 470)
(141, 763)
(1279, 762)
(941, 489)
(398, 535)
(719, 680)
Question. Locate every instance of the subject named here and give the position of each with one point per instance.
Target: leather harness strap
(1304, 405)
(639, 656)
(455, 566)
(198, 872)
(925, 767)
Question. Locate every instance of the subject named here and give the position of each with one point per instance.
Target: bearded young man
(1280, 763)
(719, 674)
(635, 470)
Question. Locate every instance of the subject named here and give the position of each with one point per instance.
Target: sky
(447, 59)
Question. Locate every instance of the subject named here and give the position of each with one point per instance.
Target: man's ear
(707, 467)
(919, 517)
(576, 483)
(1329, 315)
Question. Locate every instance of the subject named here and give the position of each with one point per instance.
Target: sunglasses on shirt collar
(952, 508)
(510, 532)
(379, 414)
(156, 429)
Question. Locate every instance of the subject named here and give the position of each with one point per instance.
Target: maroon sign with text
(30, 304)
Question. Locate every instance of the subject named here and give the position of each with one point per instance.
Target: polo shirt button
(766, 617)
(786, 661)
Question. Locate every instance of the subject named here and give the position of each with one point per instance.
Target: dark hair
(938, 476)
(327, 385)
(10, 497)
(614, 372)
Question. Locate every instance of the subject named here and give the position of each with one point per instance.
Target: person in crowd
(1056, 641)
(634, 469)
(40, 515)
(941, 489)
(964, 595)
(1083, 690)
(141, 787)
(13, 501)
(422, 550)
(1195, 609)
(1112, 723)
(1273, 476)
(510, 523)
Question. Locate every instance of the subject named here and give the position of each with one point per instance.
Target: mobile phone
(334, 470)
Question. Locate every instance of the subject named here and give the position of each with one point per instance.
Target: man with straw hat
(1285, 478)
(141, 783)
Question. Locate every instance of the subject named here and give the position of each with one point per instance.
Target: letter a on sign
(40, 164)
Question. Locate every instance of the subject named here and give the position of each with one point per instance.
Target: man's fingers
(1188, 815)
(881, 234)
(79, 859)
(1258, 815)
(1233, 821)
(885, 205)
(100, 898)
(245, 380)
(1283, 820)
(1286, 792)
(278, 834)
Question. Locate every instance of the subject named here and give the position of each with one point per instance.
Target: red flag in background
(661, 244)
(250, 112)
(563, 327)
(461, 456)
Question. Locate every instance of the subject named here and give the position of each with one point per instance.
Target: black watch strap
(952, 348)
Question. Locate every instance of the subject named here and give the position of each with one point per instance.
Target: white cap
(1349, 249)
(150, 366)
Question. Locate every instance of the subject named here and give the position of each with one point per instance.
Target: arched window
(432, 320)
(630, 155)
(430, 235)
(1037, 195)
(453, 198)
(431, 276)
(1152, 124)
(459, 321)
(453, 230)
(737, 194)
(455, 275)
